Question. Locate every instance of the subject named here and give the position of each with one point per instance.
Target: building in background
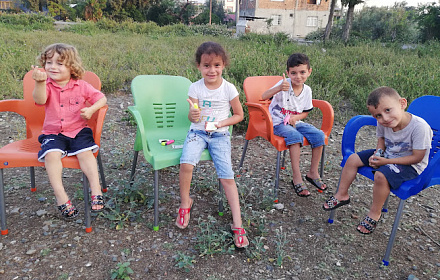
(294, 17)
(6, 5)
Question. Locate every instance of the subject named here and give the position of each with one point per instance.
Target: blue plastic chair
(161, 112)
(425, 107)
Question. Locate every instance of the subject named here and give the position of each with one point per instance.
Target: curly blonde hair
(68, 55)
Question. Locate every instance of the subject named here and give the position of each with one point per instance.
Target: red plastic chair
(260, 120)
(23, 153)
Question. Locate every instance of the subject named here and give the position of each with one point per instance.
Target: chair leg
(32, 173)
(386, 258)
(246, 142)
(385, 205)
(321, 167)
(156, 200)
(284, 159)
(277, 177)
(4, 229)
(101, 173)
(332, 212)
(133, 166)
(87, 218)
(220, 203)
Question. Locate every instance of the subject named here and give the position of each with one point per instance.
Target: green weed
(280, 243)
(212, 239)
(184, 261)
(122, 271)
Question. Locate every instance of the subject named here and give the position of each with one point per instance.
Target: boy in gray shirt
(406, 142)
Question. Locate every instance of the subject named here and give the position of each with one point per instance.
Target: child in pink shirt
(69, 102)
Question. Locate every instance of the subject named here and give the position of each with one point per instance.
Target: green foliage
(281, 243)
(122, 271)
(429, 21)
(184, 261)
(27, 21)
(212, 239)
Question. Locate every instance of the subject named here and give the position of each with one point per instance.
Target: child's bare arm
(284, 86)
(294, 118)
(39, 92)
(416, 157)
(87, 112)
(237, 116)
(194, 110)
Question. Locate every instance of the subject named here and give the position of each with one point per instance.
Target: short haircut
(68, 55)
(211, 48)
(297, 59)
(375, 96)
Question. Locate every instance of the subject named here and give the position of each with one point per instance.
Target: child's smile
(57, 70)
(211, 67)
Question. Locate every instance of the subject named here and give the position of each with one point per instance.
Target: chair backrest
(426, 107)
(34, 115)
(161, 101)
(255, 86)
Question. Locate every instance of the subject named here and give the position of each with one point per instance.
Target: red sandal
(238, 237)
(180, 221)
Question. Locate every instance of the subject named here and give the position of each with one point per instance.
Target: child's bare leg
(185, 177)
(54, 169)
(295, 152)
(234, 202)
(314, 165)
(347, 177)
(87, 162)
(381, 190)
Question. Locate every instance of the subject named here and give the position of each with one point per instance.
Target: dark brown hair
(375, 96)
(211, 48)
(297, 59)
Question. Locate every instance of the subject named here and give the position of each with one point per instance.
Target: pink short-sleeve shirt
(63, 106)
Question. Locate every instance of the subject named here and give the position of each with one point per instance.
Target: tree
(328, 27)
(429, 22)
(349, 17)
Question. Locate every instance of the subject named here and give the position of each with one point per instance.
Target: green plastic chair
(161, 112)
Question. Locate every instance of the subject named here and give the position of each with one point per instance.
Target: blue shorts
(218, 145)
(293, 135)
(67, 146)
(396, 174)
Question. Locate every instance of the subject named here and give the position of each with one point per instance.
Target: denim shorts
(67, 146)
(396, 174)
(218, 145)
(293, 135)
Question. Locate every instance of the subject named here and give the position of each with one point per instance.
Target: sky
(390, 3)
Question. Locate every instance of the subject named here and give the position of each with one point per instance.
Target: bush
(27, 21)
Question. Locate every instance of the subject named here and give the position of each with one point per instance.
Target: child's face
(390, 112)
(211, 67)
(57, 70)
(299, 74)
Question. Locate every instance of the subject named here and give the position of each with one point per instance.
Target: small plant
(119, 217)
(122, 271)
(256, 250)
(184, 261)
(281, 242)
(212, 240)
(44, 252)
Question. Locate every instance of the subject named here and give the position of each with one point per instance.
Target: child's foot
(240, 239)
(368, 225)
(300, 189)
(183, 213)
(68, 211)
(334, 203)
(98, 203)
(318, 183)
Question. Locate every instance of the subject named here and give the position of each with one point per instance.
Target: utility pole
(210, 11)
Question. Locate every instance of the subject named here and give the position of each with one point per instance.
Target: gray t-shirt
(285, 102)
(214, 104)
(417, 135)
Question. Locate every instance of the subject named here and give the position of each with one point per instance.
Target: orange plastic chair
(23, 153)
(260, 121)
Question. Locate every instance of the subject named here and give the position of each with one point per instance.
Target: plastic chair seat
(24, 153)
(425, 107)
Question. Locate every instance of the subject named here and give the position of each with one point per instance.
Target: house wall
(294, 17)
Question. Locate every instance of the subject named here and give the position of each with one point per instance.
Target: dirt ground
(41, 245)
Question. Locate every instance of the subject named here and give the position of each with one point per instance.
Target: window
(313, 2)
(276, 19)
(277, 0)
(312, 21)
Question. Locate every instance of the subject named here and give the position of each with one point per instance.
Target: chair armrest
(328, 115)
(263, 110)
(350, 131)
(143, 145)
(12, 105)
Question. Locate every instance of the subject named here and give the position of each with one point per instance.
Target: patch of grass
(213, 239)
(184, 262)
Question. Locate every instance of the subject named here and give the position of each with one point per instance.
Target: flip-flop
(180, 221)
(334, 203)
(318, 183)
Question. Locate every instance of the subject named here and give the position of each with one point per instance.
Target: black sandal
(369, 224)
(334, 203)
(318, 183)
(68, 211)
(299, 188)
(97, 200)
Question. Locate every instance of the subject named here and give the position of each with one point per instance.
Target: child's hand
(86, 113)
(285, 86)
(194, 111)
(376, 161)
(37, 75)
(293, 119)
